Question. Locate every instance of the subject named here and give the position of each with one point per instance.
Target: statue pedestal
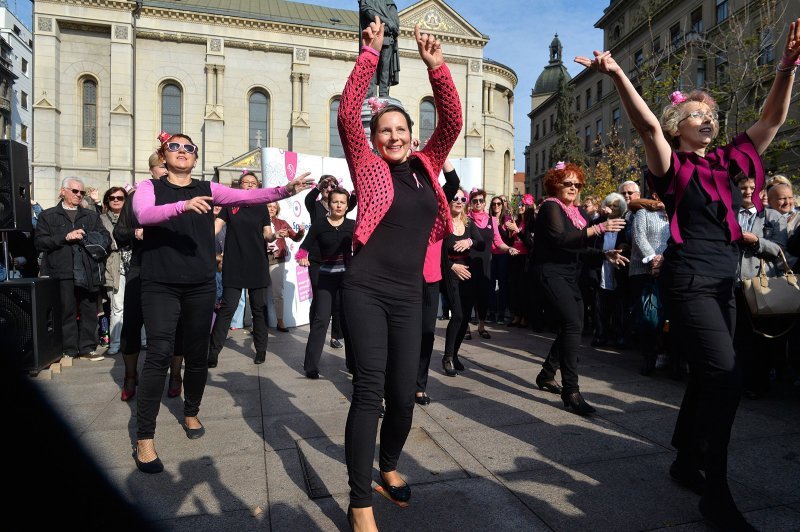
(366, 113)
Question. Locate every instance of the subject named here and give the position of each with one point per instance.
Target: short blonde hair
(154, 160)
(672, 115)
(778, 179)
(277, 207)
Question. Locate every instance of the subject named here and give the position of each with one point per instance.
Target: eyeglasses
(701, 115)
(175, 146)
(76, 191)
(627, 193)
(570, 184)
(459, 199)
(116, 198)
(478, 201)
(496, 203)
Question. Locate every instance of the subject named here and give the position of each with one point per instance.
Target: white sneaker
(93, 356)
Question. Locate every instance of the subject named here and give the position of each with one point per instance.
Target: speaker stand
(4, 238)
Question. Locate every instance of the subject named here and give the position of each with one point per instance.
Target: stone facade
(20, 55)
(217, 61)
(639, 32)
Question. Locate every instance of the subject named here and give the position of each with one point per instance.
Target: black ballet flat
(548, 385)
(397, 493)
(422, 399)
(260, 357)
(193, 434)
(575, 402)
(151, 468)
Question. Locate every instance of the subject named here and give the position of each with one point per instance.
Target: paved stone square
(491, 452)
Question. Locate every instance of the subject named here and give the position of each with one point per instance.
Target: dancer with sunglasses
(177, 272)
(402, 209)
(562, 237)
(700, 263)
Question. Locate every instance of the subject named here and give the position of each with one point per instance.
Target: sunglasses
(76, 191)
(497, 203)
(477, 201)
(116, 198)
(628, 193)
(459, 199)
(175, 146)
(570, 184)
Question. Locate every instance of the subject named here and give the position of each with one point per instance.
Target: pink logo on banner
(303, 284)
(290, 164)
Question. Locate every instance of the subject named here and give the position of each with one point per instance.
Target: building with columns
(109, 75)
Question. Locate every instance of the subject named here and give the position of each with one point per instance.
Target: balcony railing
(5, 104)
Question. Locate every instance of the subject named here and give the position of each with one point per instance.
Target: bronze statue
(388, 71)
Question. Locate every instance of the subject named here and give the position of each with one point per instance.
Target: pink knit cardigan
(370, 173)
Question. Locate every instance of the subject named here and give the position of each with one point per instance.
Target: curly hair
(616, 202)
(672, 115)
(554, 177)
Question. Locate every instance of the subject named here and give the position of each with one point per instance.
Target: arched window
(335, 143)
(89, 113)
(258, 132)
(427, 120)
(171, 108)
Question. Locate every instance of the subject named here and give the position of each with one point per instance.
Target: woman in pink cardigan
(402, 209)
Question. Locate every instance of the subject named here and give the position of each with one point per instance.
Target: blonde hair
(672, 115)
(463, 218)
(154, 160)
(778, 179)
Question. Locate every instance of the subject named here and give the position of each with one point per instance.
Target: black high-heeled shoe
(457, 364)
(398, 493)
(448, 367)
(574, 401)
(548, 385)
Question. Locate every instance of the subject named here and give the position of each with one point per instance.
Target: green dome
(550, 78)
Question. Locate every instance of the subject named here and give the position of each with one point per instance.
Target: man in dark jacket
(61, 234)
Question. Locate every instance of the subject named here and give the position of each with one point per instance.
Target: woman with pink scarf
(562, 237)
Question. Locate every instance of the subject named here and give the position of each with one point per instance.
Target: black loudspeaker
(30, 322)
(15, 194)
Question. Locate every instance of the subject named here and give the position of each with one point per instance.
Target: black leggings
(163, 304)
(336, 320)
(481, 287)
(702, 313)
(563, 298)
(463, 293)
(430, 308)
(230, 300)
(326, 300)
(132, 320)
(386, 348)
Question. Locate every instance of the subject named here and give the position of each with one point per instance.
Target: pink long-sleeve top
(370, 173)
(148, 213)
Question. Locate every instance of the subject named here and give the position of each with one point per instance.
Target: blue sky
(520, 32)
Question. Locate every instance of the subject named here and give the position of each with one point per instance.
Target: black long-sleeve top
(124, 235)
(328, 245)
(559, 244)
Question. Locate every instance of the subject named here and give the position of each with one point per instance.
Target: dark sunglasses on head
(78, 192)
(116, 198)
(478, 200)
(175, 146)
(459, 199)
(568, 184)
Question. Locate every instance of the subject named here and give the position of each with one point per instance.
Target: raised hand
(791, 52)
(372, 35)
(430, 49)
(602, 62)
(299, 184)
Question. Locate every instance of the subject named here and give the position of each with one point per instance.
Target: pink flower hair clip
(246, 171)
(527, 199)
(376, 104)
(163, 137)
(677, 98)
(560, 165)
(474, 190)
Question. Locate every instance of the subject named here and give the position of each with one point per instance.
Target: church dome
(550, 78)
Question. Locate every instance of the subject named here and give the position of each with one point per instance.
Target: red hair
(554, 177)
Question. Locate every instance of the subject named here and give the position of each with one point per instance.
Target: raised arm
(448, 104)
(451, 181)
(657, 150)
(776, 107)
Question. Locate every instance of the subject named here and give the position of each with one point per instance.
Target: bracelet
(790, 69)
(785, 61)
(600, 228)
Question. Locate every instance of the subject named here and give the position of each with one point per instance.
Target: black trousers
(336, 320)
(430, 308)
(702, 314)
(608, 312)
(163, 305)
(78, 336)
(132, 320)
(463, 293)
(563, 298)
(385, 347)
(326, 299)
(481, 288)
(519, 291)
(230, 300)
(498, 300)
